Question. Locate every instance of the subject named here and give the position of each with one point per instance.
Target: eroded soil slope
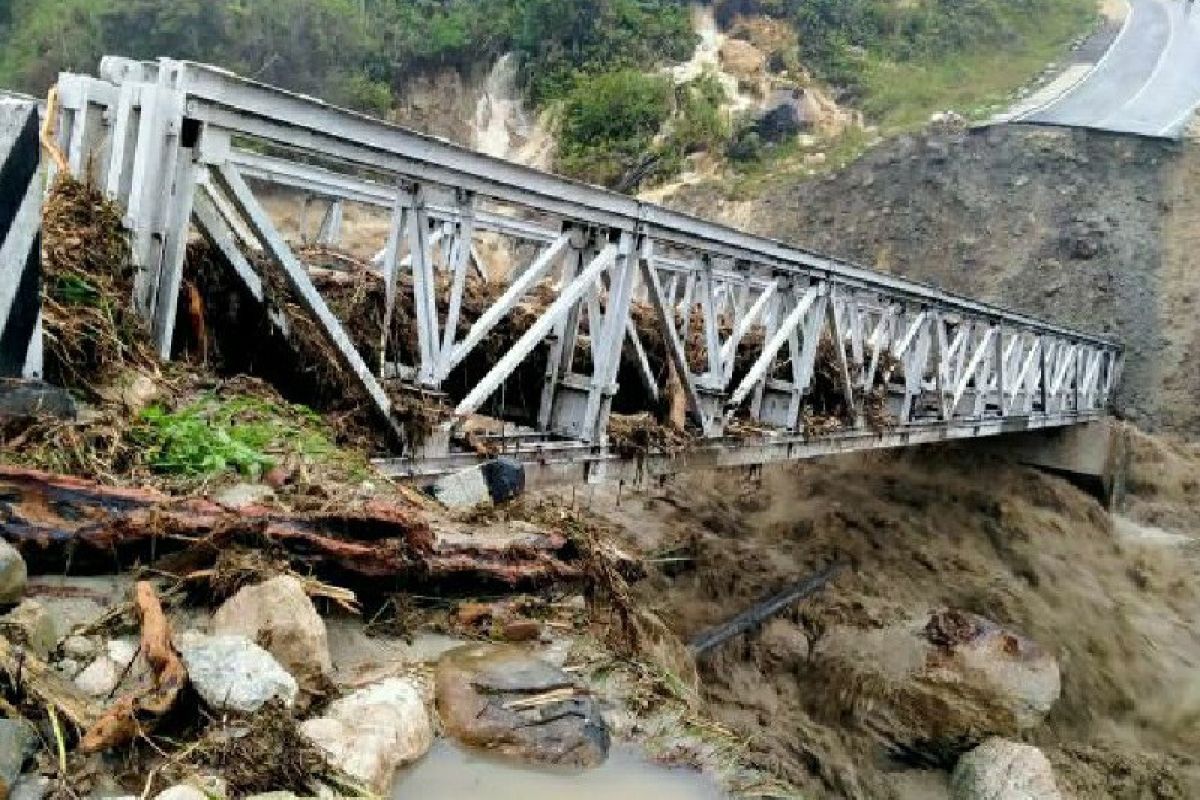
(1094, 230)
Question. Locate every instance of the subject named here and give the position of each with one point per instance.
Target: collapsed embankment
(1093, 230)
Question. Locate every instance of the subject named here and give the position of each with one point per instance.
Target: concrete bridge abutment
(1093, 455)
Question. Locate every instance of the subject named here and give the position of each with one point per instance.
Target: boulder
(31, 625)
(279, 615)
(509, 702)
(18, 742)
(232, 673)
(743, 60)
(13, 575)
(1004, 770)
(935, 685)
(373, 732)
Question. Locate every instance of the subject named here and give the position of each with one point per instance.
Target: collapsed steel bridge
(180, 145)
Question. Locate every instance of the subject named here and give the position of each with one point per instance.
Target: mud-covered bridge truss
(175, 142)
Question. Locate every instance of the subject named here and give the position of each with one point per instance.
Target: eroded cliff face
(482, 108)
(1093, 230)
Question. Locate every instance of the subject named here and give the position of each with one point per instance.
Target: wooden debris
(761, 612)
(61, 523)
(32, 679)
(127, 718)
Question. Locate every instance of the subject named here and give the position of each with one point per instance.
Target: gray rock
(232, 673)
(181, 792)
(461, 490)
(1002, 770)
(279, 614)
(372, 733)
(244, 494)
(103, 676)
(29, 787)
(483, 695)
(81, 648)
(13, 574)
(31, 625)
(18, 742)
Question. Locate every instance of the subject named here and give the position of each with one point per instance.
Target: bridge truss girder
(741, 318)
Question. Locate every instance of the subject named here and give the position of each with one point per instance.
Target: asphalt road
(1147, 83)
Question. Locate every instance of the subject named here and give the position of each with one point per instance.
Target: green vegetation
(901, 60)
(622, 128)
(348, 51)
(242, 434)
(623, 123)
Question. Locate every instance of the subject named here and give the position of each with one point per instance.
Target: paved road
(1149, 80)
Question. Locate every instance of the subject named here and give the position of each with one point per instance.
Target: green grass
(246, 435)
(900, 96)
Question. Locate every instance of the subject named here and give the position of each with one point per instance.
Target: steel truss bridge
(176, 142)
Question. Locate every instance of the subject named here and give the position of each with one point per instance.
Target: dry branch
(128, 717)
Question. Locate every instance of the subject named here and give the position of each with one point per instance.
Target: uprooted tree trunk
(62, 523)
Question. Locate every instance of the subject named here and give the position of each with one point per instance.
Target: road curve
(1147, 83)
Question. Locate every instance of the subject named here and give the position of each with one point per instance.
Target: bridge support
(1093, 456)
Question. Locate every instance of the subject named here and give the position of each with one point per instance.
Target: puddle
(449, 773)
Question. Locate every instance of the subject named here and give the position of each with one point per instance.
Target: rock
(243, 495)
(743, 60)
(80, 648)
(477, 687)
(18, 742)
(1003, 770)
(279, 615)
(496, 481)
(373, 732)
(521, 630)
(29, 787)
(31, 625)
(782, 120)
(138, 393)
(232, 673)
(181, 792)
(120, 660)
(13, 575)
(937, 684)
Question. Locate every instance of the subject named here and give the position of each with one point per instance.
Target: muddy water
(450, 773)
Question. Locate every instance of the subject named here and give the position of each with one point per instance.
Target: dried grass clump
(263, 753)
(636, 435)
(91, 331)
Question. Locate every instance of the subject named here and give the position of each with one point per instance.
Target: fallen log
(63, 524)
(131, 715)
(759, 613)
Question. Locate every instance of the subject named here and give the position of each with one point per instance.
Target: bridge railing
(742, 318)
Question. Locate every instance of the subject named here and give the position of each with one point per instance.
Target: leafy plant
(213, 435)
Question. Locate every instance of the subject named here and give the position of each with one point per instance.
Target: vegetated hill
(1093, 230)
(625, 122)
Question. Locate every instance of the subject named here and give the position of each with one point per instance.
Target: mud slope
(1094, 230)
(935, 529)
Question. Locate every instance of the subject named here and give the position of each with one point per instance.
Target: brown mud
(938, 528)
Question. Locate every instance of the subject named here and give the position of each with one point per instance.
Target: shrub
(609, 122)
